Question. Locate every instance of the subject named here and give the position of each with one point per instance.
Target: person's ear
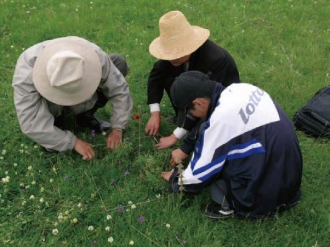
(200, 102)
(197, 102)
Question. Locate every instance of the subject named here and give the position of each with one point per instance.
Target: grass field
(119, 198)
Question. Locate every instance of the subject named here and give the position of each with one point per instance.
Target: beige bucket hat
(177, 37)
(68, 71)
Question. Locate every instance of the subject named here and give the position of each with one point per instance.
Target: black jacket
(210, 57)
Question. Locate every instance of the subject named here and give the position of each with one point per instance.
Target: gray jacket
(36, 114)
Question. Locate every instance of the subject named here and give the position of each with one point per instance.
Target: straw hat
(68, 71)
(177, 37)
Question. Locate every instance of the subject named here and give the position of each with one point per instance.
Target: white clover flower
(74, 221)
(21, 151)
(60, 217)
(130, 202)
(91, 228)
(30, 168)
(131, 242)
(107, 228)
(4, 151)
(55, 232)
(109, 217)
(79, 205)
(168, 225)
(41, 200)
(23, 203)
(42, 189)
(1, 158)
(32, 197)
(15, 164)
(104, 133)
(51, 180)
(133, 206)
(110, 240)
(33, 182)
(6, 179)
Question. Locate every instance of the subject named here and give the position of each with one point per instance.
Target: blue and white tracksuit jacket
(250, 142)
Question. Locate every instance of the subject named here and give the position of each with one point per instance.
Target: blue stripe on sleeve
(257, 150)
(244, 145)
(236, 152)
(210, 165)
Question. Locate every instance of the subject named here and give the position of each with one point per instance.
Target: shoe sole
(218, 217)
(224, 215)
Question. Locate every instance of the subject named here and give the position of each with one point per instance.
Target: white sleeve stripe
(243, 150)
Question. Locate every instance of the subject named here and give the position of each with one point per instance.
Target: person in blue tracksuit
(247, 150)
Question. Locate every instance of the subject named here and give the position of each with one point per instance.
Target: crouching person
(70, 75)
(247, 150)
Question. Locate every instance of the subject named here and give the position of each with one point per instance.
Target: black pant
(122, 66)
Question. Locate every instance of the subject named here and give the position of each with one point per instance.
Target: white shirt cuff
(154, 107)
(179, 132)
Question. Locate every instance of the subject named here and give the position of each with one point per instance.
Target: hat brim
(91, 78)
(181, 117)
(183, 48)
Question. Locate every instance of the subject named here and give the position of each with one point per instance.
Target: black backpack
(314, 117)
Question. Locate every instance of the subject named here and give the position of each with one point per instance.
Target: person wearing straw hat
(247, 150)
(182, 47)
(70, 76)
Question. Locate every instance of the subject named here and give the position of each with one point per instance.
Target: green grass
(281, 46)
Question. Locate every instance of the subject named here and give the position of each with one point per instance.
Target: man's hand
(167, 175)
(177, 156)
(85, 149)
(166, 142)
(153, 124)
(114, 139)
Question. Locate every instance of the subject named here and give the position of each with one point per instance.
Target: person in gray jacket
(70, 75)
